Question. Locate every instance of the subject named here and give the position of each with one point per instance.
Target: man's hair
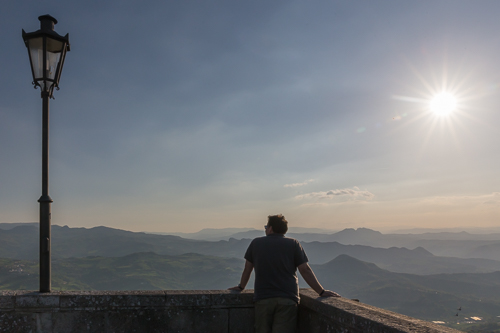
(278, 223)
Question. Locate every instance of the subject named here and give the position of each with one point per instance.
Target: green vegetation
(488, 327)
(139, 271)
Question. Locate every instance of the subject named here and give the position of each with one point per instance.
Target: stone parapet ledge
(340, 315)
(100, 300)
(127, 311)
(217, 311)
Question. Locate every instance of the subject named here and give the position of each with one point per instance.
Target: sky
(174, 116)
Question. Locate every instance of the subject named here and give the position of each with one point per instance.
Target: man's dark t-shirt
(275, 259)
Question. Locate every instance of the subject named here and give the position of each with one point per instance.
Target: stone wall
(126, 311)
(217, 311)
(341, 315)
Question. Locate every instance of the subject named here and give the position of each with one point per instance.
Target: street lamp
(47, 50)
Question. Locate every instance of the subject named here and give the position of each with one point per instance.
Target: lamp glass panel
(52, 61)
(36, 53)
(54, 51)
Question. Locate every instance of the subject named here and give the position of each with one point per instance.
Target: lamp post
(47, 51)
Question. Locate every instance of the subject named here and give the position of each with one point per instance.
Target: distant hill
(400, 260)
(8, 226)
(241, 233)
(22, 243)
(450, 244)
(486, 249)
(430, 297)
(250, 234)
(460, 245)
(209, 234)
(471, 230)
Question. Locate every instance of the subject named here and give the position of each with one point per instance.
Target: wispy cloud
(465, 200)
(492, 199)
(409, 99)
(299, 184)
(353, 193)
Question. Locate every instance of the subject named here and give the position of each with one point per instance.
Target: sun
(443, 104)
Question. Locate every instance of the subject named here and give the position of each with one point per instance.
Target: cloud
(492, 199)
(354, 194)
(299, 184)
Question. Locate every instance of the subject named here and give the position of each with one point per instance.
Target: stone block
(145, 320)
(37, 301)
(84, 300)
(17, 322)
(78, 321)
(189, 298)
(140, 299)
(108, 299)
(7, 302)
(43, 321)
(232, 298)
(197, 320)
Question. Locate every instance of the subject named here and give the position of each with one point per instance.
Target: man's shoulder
(258, 239)
(274, 238)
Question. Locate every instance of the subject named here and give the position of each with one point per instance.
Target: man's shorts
(276, 315)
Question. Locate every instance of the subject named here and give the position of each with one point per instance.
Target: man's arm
(308, 275)
(245, 276)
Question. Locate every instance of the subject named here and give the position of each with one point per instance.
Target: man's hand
(329, 293)
(237, 288)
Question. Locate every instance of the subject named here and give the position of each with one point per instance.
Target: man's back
(275, 259)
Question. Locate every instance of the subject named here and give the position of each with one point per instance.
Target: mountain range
(21, 242)
(452, 244)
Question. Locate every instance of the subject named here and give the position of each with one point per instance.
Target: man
(276, 292)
